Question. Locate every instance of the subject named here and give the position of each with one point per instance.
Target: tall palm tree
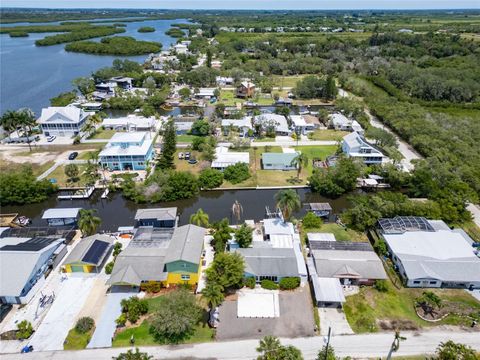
(288, 201)
(26, 120)
(268, 347)
(237, 210)
(213, 294)
(300, 161)
(9, 121)
(200, 218)
(88, 222)
(395, 344)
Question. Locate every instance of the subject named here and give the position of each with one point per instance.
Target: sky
(247, 4)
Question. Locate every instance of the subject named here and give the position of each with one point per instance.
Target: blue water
(30, 75)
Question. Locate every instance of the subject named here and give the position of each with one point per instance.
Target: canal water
(117, 211)
(31, 75)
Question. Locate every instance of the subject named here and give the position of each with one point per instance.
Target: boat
(83, 193)
(105, 193)
(13, 220)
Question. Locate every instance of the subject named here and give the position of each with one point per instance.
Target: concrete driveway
(61, 317)
(102, 337)
(334, 318)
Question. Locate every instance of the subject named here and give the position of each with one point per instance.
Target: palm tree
(9, 121)
(237, 210)
(213, 294)
(268, 346)
(26, 119)
(200, 218)
(288, 201)
(300, 161)
(88, 222)
(395, 344)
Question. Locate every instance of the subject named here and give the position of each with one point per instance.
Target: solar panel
(96, 251)
(35, 244)
(340, 245)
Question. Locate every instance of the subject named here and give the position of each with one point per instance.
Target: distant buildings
(243, 125)
(130, 123)
(246, 89)
(62, 121)
(61, 217)
(355, 146)
(340, 122)
(300, 124)
(127, 151)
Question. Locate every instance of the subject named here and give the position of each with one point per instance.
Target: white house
(340, 122)
(300, 124)
(273, 121)
(354, 145)
(243, 125)
(181, 48)
(224, 80)
(130, 123)
(225, 158)
(62, 121)
(205, 93)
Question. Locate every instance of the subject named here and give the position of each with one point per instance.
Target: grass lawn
(316, 152)
(103, 134)
(85, 155)
(228, 98)
(328, 134)
(59, 175)
(369, 305)
(76, 340)
(286, 81)
(184, 138)
(341, 234)
(264, 139)
(37, 169)
(183, 165)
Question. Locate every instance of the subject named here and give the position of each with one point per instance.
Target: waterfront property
(355, 146)
(62, 120)
(279, 161)
(205, 93)
(273, 123)
(127, 151)
(225, 158)
(160, 256)
(130, 123)
(300, 124)
(123, 82)
(243, 125)
(89, 254)
(429, 254)
(156, 218)
(24, 263)
(328, 292)
(62, 216)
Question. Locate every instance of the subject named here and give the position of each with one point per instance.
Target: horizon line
(238, 9)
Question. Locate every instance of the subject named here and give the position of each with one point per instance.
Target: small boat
(22, 220)
(105, 193)
(13, 220)
(166, 107)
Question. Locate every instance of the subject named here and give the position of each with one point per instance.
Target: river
(31, 75)
(117, 211)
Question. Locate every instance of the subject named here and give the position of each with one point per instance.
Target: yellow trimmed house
(160, 256)
(89, 254)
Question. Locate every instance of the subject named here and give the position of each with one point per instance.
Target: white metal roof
(62, 114)
(298, 120)
(328, 290)
(321, 237)
(244, 122)
(130, 137)
(138, 121)
(224, 158)
(277, 227)
(61, 213)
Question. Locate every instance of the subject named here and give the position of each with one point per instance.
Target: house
(246, 89)
(354, 145)
(328, 292)
(127, 151)
(225, 158)
(350, 262)
(340, 122)
(104, 91)
(273, 123)
(279, 161)
(123, 82)
(243, 125)
(24, 263)
(429, 254)
(62, 216)
(183, 127)
(157, 217)
(163, 256)
(224, 80)
(180, 48)
(205, 93)
(130, 123)
(89, 254)
(62, 120)
(312, 121)
(300, 124)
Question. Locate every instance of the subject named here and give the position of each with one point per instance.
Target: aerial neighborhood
(242, 176)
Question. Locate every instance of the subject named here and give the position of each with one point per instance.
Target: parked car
(187, 155)
(51, 138)
(27, 349)
(181, 156)
(73, 155)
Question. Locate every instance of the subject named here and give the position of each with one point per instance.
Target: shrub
(152, 287)
(84, 325)
(311, 221)
(237, 173)
(109, 267)
(76, 140)
(133, 308)
(249, 282)
(269, 285)
(381, 285)
(24, 330)
(210, 178)
(117, 249)
(121, 320)
(380, 247)
(197, 143)
(289, 283)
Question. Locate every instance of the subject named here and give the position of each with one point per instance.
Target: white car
(181, 156)
(51, 138)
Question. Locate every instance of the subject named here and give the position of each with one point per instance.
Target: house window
(185, 277)
(416, 282)
(433, 282)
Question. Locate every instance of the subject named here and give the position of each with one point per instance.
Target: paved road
(362, 346)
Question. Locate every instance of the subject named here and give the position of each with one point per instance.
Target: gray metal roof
(186, 244)
(61, 213)
(284, 159)
(83, 245)
(339, 245)
(157, 213)
(320, 206)
(279, 262)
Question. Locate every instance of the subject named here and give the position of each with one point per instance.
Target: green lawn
(286, 81)
(76, 340)
(316, 152)
(185, 138)
(341, 233)
(328, 134)
(103, 134)
(85, 155)
(62, 180)
(228, 98)
(365, 308)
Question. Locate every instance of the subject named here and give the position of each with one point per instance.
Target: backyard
(103, 134)
(62, 180)
(341, 233)
(327, 134)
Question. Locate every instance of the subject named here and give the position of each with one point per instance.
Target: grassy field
(185, 138)
(103, 134)
(76, 340)
(142, 336)
(286, 81)
(327, 135)
(183, 165)
(37, 169)
(341, 233)
(369, 305)
(316, 152)
(62, 179)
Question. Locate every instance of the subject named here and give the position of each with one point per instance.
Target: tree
(213, 294)
(117, 249)
(330, 88)
(149, 84)
(169, 146)
(221, 235)
(381, 137)
(209, 57)
(9, 121)
(88, 222)
(226, 270)
(300, 161)
(175, 320)
(130, 355)
(325, 354)
(311, 221)
(271, 349)
(200, 127)
(236, 173)
(210, 178)
(84, 325)
(71, 170)
(453, 351)
(243, 236)
(200, 218)
(429, 301)
(24, 330)
(25, 118)
(185, 93)
(237, 210)
(133, 308)
(288, 201)
(84, 85)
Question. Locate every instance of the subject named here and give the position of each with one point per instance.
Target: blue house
(127, 151)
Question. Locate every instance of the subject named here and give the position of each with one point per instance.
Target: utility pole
(328, 342)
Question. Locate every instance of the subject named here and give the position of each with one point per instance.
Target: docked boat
(105, 193)
(13, 220)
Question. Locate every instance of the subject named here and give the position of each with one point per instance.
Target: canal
(117, 211)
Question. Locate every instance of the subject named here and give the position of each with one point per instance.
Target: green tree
(200, 127)
(226, 270)
(130, 355)
(84, 85)
(453, 351)
(88, 222)
(134, 308)
(209, 57)
(243, 236)
(185, 93)
(213, 294)
(25, 118)
(169, 146)
(325, 354)
(382, 137)
(237, 173)
(200, 218)
(268, 347)
(429, 302)
(330, 88)
(175, 320)
(24, 330)
(84, 325)
(300, 161)
(72, 172)
(288, 201)
(210, 178)
(9, 121)
(311, 221)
